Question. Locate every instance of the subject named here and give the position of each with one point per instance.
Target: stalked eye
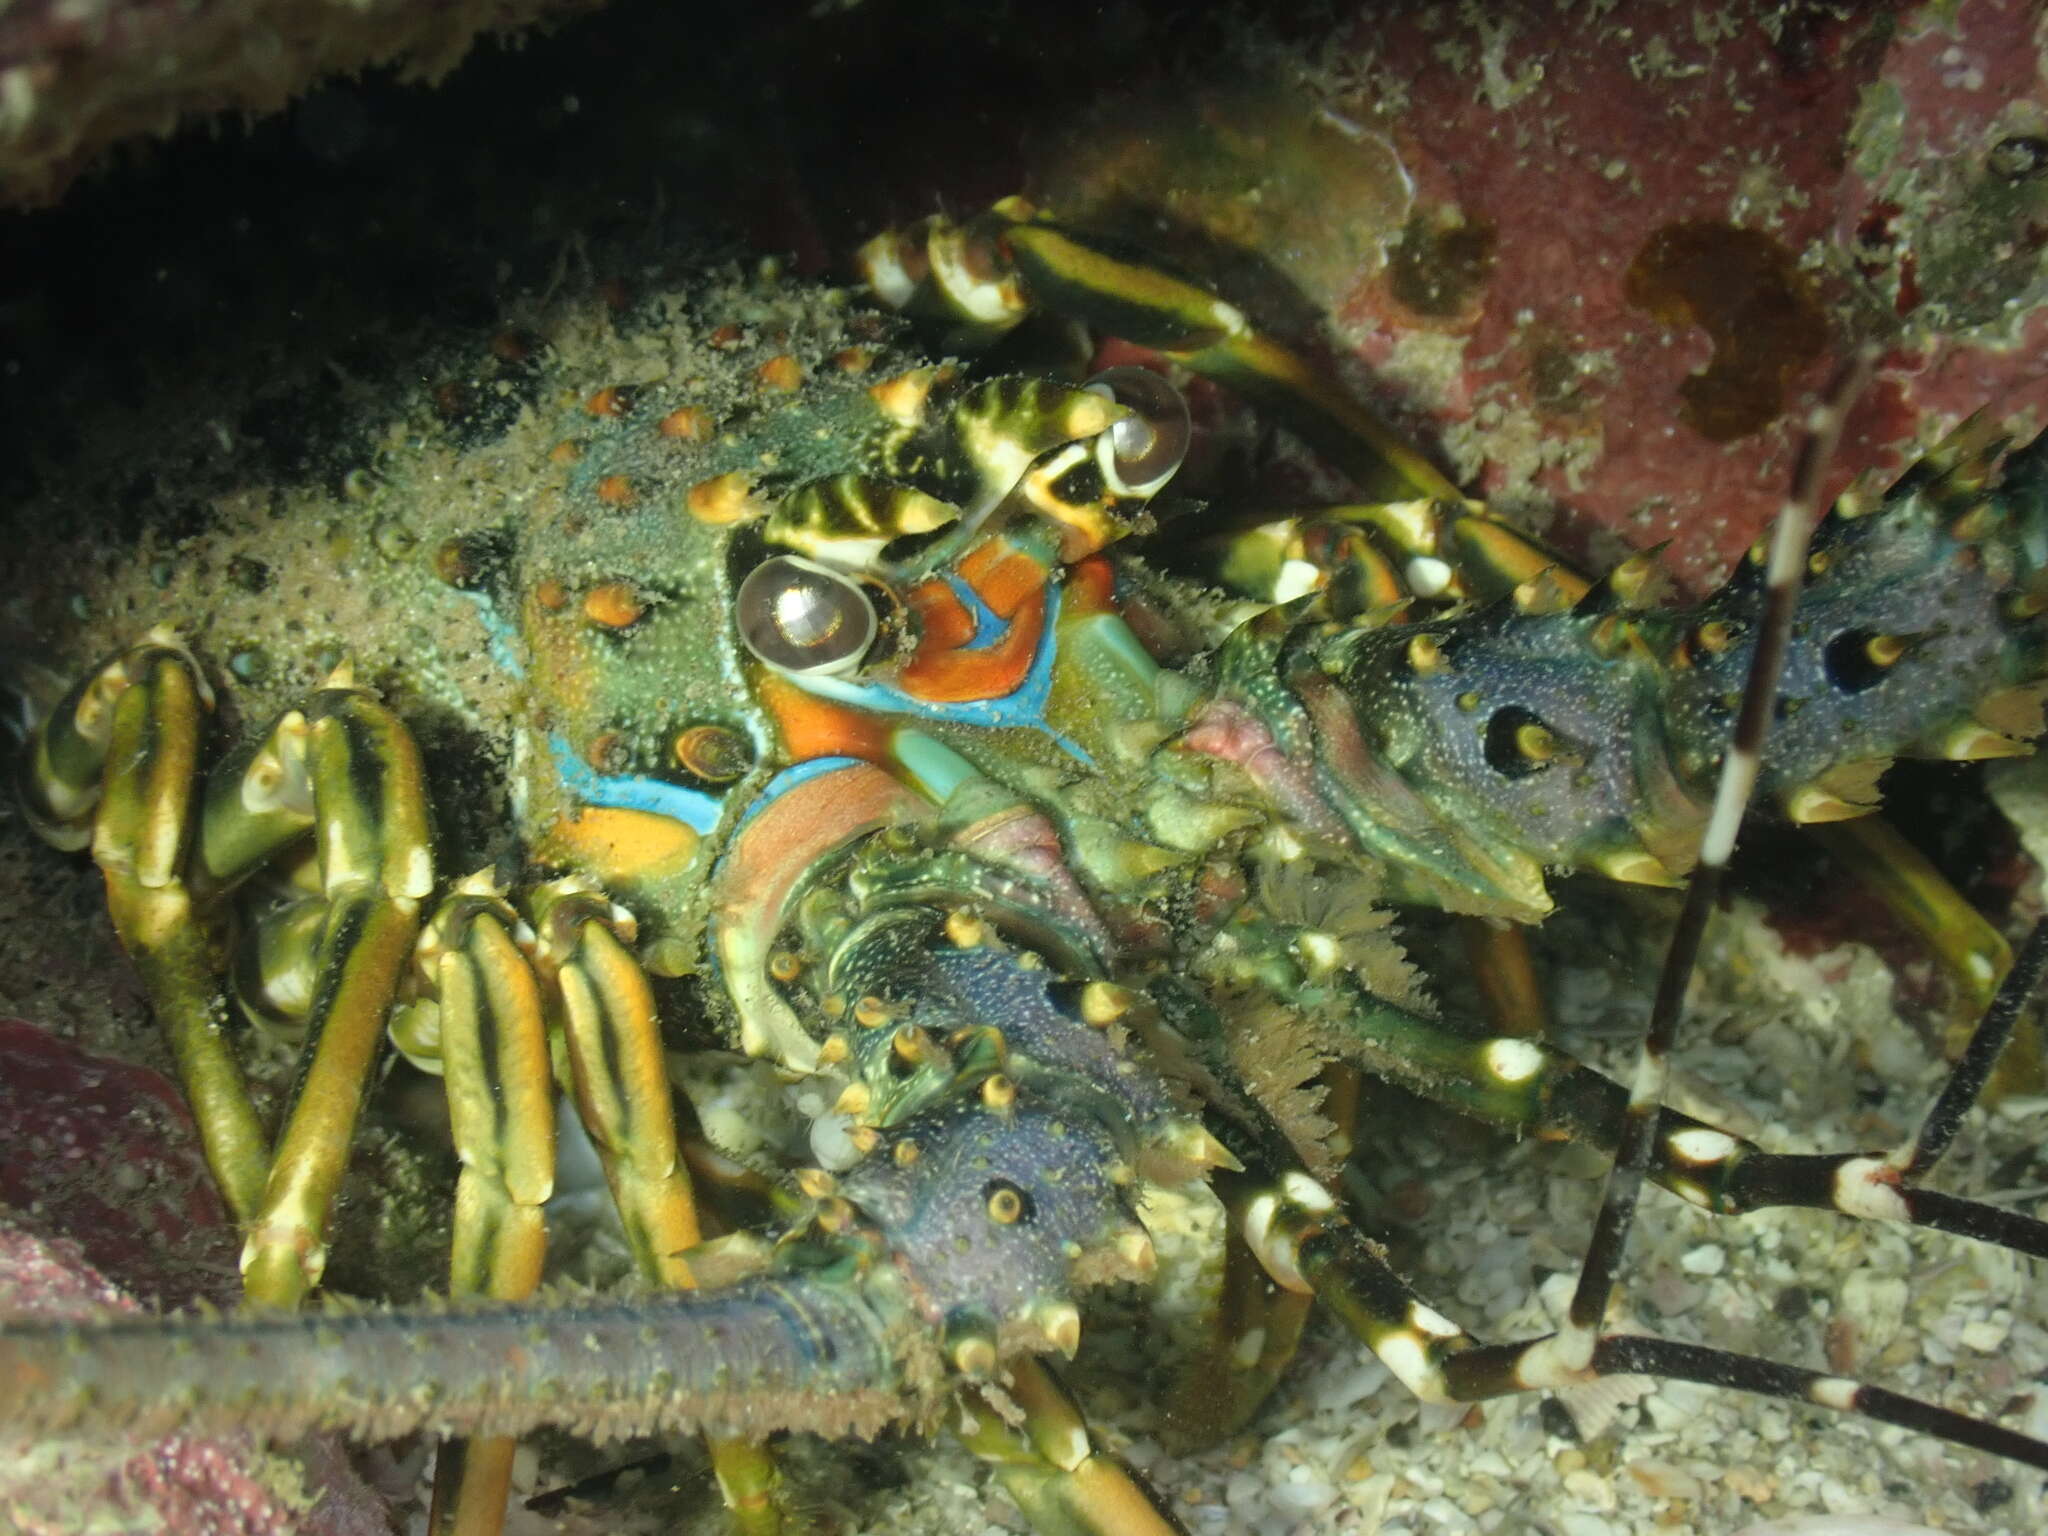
(801, 617)
(1139, 454)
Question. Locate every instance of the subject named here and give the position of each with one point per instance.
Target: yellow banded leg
(1972, 952)
(1506, 974)
(1250, 1334)
(619, 1072)
(1065, 273)
(1051, 1467)
(137, 723)
(605, 1009)
(1250, 1327)
(118, 763)
(986, 275)
(350, 769)
(477, 1019)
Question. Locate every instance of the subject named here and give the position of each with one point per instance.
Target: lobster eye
(1139, 454)
(801, 617)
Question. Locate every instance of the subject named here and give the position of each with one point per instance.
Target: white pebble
(1590, 1489)
(1987, 1334)
(1302, 1496)
(1707, 1259)
(1341, 1388)
(1837, 1525)
(831, 1143)
(1243, 1490)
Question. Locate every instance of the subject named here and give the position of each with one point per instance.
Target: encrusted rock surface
(77, 76)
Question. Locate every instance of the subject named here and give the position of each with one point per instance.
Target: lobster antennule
(781, 1352)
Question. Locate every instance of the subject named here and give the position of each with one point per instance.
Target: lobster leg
(478, 1022)
(1534, 1089)
(482, 1021)
(984, 277)
(604, 1008)
(1307, 1244)
(1972, 952)
(348, 770)
(1050, 1465)
(117, 763)
(115, 766)
(1249, 1335)
(600, 1000)
(1506, 976)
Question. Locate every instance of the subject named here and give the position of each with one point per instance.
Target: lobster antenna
(1784, 574)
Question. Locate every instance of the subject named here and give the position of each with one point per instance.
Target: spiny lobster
(837, 666)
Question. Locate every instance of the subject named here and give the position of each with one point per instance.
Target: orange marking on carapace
(814, 727)
(686, 423)
(943, 621)
(1011, 584)
(954, 676)
(1090, 588)
(618, 843)
(782, 373)
(1002, 575)
(614, 604)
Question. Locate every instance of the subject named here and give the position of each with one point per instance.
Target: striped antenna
(1783, 578)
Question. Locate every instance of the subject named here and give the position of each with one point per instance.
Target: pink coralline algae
(1874, 168)
(1598, 264)
(100, 1176)
(105, 1153)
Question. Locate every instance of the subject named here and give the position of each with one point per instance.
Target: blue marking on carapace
(989, 627)
(632, 791)
(789, 778)
(936, 767)
(499, 633)
(1107, 632)
(1023, 706)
